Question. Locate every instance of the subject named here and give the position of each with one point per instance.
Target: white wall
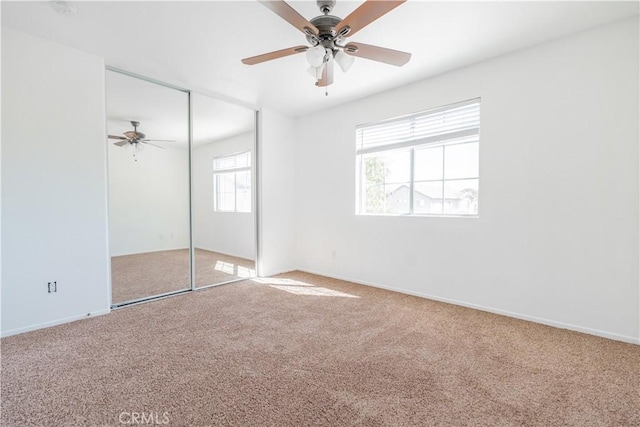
(148, 200)
(557, 237)
(276, 196)
(54, 201)
(230, 233)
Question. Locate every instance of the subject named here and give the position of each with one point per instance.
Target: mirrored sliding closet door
(149, 215)
(223, 191)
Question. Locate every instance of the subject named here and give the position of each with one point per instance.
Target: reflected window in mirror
(232, 183)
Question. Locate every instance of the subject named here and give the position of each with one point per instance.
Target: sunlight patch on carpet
(301, 288)
(225, 267)
(245, 272)
(313, 290)
(229, 268)
(280, 281)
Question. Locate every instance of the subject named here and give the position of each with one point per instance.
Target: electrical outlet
(334, 254)
(52, 287)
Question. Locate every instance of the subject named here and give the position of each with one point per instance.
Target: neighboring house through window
(232, 183)
(422, 164)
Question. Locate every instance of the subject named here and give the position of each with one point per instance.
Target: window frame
(217, 172)
(452, 138)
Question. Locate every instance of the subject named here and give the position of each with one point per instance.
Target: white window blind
(236, 161)
(436, 125)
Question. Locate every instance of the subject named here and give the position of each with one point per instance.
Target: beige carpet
(304, 350)
(154, 273)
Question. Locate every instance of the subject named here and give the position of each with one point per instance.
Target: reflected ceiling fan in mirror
(133, 138)
(327, 36)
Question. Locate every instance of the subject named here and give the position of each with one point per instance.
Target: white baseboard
(556, 324)
(53, 323)
(152, 251)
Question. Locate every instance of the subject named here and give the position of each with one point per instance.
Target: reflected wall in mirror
(223, 195)
(148, 188)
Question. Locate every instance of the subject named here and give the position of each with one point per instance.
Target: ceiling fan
(134, 138)
(327, 33)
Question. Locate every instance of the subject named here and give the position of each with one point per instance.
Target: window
(232, 183)
(422, 164)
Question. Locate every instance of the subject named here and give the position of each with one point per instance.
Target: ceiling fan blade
(274, 55)
(366, 13)
(116, 137)
(129, 134)
(158, 140)
(327, 74)
(149, 143)
(290, 15)
(121, 143)
(377, 53)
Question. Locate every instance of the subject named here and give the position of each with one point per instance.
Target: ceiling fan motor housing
(134, 135)
(327, 35)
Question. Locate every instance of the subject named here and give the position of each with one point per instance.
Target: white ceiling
(199, 45)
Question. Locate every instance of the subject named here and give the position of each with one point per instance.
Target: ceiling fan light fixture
(315, 56)
(344, 61)
(312, 71)
(316, 72)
